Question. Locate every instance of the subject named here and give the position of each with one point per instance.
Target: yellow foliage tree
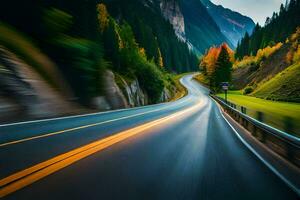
(160, 59)
(296, 57)
(142, 52)
(209, 60)
(103, 17)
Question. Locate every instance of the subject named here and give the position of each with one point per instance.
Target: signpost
(225, 86)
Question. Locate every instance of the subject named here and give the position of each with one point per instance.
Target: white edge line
(77, 116)
(86, 126)
(275, 171)
(95, 113)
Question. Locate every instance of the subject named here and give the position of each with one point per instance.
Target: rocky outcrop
(136, 96)
(24, 92)
(165, 95)
(133, 92)
(192, 24)
(113, 94)
(171, 11)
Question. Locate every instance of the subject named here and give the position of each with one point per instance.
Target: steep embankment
(273, 73)
(254, 72)
(284, 86)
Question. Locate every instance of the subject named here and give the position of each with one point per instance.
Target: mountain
(155, 28)
(192, 24)
(201, 30)
(232, 24)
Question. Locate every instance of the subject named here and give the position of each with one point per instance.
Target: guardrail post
(244, 110)
(288, 124)
(275, 140)
(260, 116)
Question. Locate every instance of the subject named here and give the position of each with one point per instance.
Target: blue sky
(258, 10)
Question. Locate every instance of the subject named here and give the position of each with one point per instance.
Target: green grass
(181, 91)
(275, 112)
(285, 86)
(201, 79)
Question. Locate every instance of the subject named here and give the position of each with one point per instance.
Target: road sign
(225, 84)
(225, 87)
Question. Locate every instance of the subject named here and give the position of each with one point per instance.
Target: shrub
(151, 79)
(248, 90)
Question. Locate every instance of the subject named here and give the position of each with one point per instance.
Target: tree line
(84, 38)
(276, 29)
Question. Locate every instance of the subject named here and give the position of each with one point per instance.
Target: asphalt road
(179, 150)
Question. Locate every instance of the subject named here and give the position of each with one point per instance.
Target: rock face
(134, 94)
(24, 92)
(171, 11)
(165, 96)
(192, 24)
(113, 95)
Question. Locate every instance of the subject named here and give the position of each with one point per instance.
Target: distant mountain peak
(232, 24)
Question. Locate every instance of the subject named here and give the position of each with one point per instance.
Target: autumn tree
(103, 17)
(160, 61)
(217, 65)
(223, 68)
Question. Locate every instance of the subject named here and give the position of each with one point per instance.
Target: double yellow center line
(30, 175)
(81, 127)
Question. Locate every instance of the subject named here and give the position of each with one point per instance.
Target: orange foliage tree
(209, 60)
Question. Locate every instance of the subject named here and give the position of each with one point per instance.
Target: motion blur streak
(76, 128)
(39, 171)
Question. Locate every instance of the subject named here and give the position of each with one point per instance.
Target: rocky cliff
(25, 94)
(192, 24)
(136, 96)
(171, 11)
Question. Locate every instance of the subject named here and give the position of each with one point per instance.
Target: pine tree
(223, 68)
(276, 29)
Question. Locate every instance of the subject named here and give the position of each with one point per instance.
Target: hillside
(232, 24)
(251, 72)
(276, 29)
(267, 62)
(272, 73)
(285, 86)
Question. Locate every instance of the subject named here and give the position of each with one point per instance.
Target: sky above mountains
(258, 10)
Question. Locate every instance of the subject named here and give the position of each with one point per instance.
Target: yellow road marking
(77, 128)
(30, 175)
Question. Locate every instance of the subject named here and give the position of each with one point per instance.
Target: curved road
(179, 150)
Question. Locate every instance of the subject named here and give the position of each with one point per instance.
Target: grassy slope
(284, 86)
(201, 79)
(181, 91)
(275, 112)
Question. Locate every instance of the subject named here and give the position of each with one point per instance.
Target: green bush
(248, 90)
(151, 79)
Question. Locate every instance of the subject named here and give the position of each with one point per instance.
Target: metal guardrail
(282, 143)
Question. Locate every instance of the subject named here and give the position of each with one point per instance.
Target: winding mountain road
(179, 150)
